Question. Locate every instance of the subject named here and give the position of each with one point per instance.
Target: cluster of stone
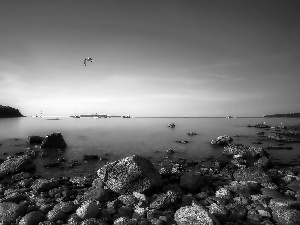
(246, 189)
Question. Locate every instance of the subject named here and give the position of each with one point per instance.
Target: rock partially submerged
(54, 141)
(35, 139)
(222, 140)
(134, 173)
(16, 165)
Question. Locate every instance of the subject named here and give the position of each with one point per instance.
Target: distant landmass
(284, 115)
(8, 112)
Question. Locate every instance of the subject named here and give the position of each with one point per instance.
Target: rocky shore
(244, 187)
(9, 112)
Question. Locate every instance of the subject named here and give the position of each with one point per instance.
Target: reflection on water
(120, 137)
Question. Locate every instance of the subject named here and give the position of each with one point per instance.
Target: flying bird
(87, 60)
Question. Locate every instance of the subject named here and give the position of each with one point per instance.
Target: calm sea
(120, 137)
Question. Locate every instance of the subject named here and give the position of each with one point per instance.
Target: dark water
(121, 137)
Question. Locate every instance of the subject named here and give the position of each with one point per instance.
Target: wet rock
(255, 174)
(9, 211)
(162, 201)
(89, 209)
(34, 139)
(54, 141)
(16, 165)
(124, 221)
(170, 125)
(222, 140)
(32, 218)
(283, 203)
(134, 173)
(286, 216)
(194, 215)
(191, 181)
(41, 185)
(97, 194)
(295, 185)
(243, 150)
(54, 215)
(93, 221)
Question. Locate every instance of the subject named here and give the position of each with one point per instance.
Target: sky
(151, 57)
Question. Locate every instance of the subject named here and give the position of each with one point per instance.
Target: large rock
(54, 141)
(222, 140)
(255, 174)
(191, 181)
(16, 165)
(41, 185)
(194, 215)
(134, 173)
(34, 139)
(32, 218)
(9, 211)
(243, 150)
(286, 216)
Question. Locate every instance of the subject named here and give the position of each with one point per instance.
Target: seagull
(87, 60)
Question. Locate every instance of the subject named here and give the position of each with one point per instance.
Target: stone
(162, 201)
(221, 140)
(295, 186)
(194, 215)
(191, 181)
(255, 174)
(93, 221)
(17, 165)
(55, 214)
(88, 209)
(134, 173)
(54, 141)
(9, 211)
(34, 139)
(124, 221)
(32, 218)
(243, 150)
(41, 185)
(286, 216)
(283, 203)
(97, 194)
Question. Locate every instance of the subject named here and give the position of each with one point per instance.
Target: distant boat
(76, 116)
(230, 117)
(127, 116)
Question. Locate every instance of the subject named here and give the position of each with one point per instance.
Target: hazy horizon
(152, 58)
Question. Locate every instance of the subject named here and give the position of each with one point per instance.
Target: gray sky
(152, 58)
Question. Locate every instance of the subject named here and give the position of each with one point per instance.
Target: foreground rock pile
(247, 188)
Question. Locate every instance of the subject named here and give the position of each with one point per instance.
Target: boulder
(96, 194)
(41, 185)
(286, 216)
(17, 165)
(134, 173)
(222, 140)
(32, 218)
(35, 139)
(54, 141)
(194, 215)
(9, 211)
(88, 209)
(191, 181)
(255, 174)
(243, 150)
